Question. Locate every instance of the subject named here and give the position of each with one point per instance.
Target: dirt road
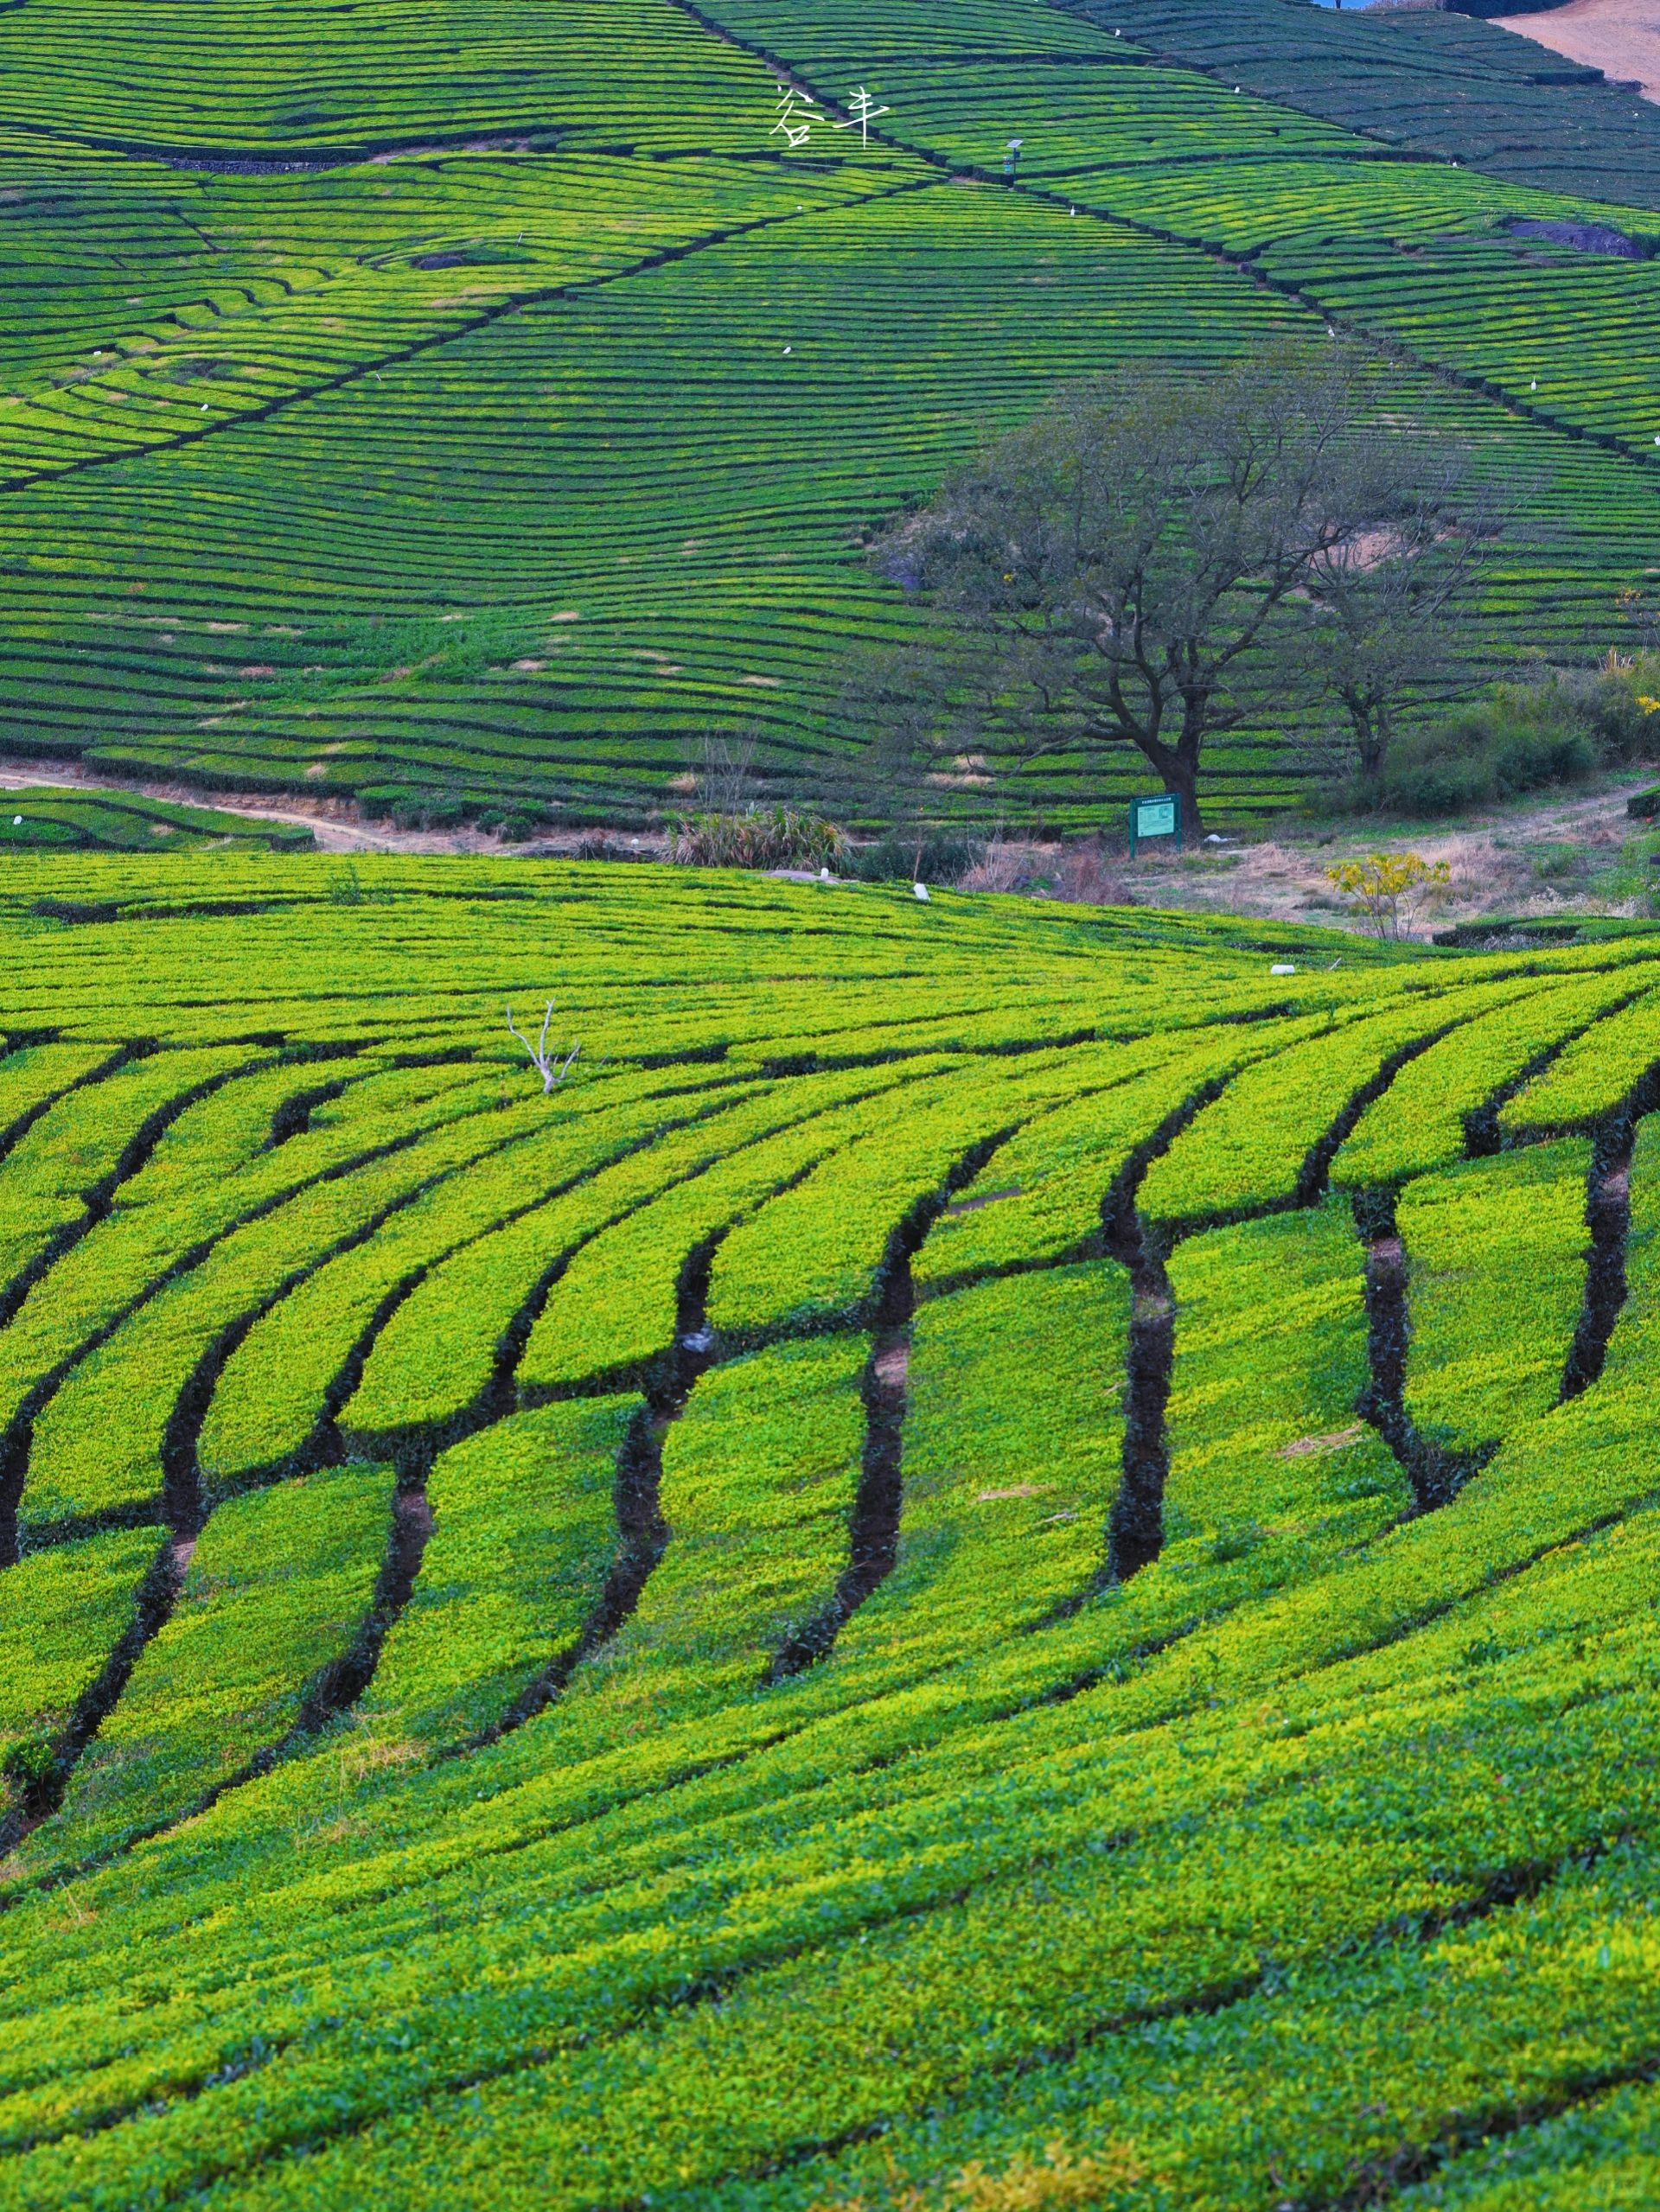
(334, 822)
(333, 834)
(1619, 37)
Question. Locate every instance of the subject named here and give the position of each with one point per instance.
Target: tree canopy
(1124, 567)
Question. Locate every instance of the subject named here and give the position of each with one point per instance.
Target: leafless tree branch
(550, 1068)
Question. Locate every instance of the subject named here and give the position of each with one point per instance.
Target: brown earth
(1619, 37)
(1557, 857)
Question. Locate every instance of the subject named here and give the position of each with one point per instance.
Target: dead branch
(550, 1068)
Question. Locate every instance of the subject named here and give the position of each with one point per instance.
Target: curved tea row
(994, 1513)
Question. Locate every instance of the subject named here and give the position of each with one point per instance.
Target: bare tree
(726, 780)
(1386, 605)
(898, 777)
(1640, 611)
(1121, 567)
(548, 1066)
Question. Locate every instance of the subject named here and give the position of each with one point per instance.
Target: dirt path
(336, 823)
(1556, 856)
(1619, 37)
(329, 820)
(1552, 858)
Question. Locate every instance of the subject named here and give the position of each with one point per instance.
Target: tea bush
(471, 423)
(529, 1615)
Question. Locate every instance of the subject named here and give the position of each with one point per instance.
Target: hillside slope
(1004, 1559)
(492, 406)
(1437, 85)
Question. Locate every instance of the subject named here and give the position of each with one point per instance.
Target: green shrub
(420, 811)
(1257, 1147)
(278, 1590)
(1496, 1248)
(434, 814)
(941, 857)
(1525, 739)
(523, 1532)
(65, 1609)
(1424, 1118)
(1620, 706)
(1596, 1075)
(1013, 1439)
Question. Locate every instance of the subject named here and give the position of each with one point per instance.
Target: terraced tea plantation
(1003, 1558)
(490, 404)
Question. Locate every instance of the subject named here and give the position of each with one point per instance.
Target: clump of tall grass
(776, 836)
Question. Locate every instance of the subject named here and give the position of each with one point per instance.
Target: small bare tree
(1387, 604)
(1385, 887)
(899, 776)
(726, 778)
(548, 1065)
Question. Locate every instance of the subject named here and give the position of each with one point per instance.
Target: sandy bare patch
(1334, 1440)
(893, 1365)
(987, 1198)
(1619, 37)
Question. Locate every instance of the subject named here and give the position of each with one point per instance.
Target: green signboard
(1159, 816)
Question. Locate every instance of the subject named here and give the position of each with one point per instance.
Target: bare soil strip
(1619, 37)
(334, 822)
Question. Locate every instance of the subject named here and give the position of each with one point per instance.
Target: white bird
(16, 821)
(789, 349)
(1534, 386)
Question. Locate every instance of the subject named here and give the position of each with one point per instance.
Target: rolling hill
(406, 399)
(1003, 1559)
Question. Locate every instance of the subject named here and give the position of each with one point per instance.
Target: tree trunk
(1381, 736)
(1370, 726)
(1182, 777)
(1177, 768)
